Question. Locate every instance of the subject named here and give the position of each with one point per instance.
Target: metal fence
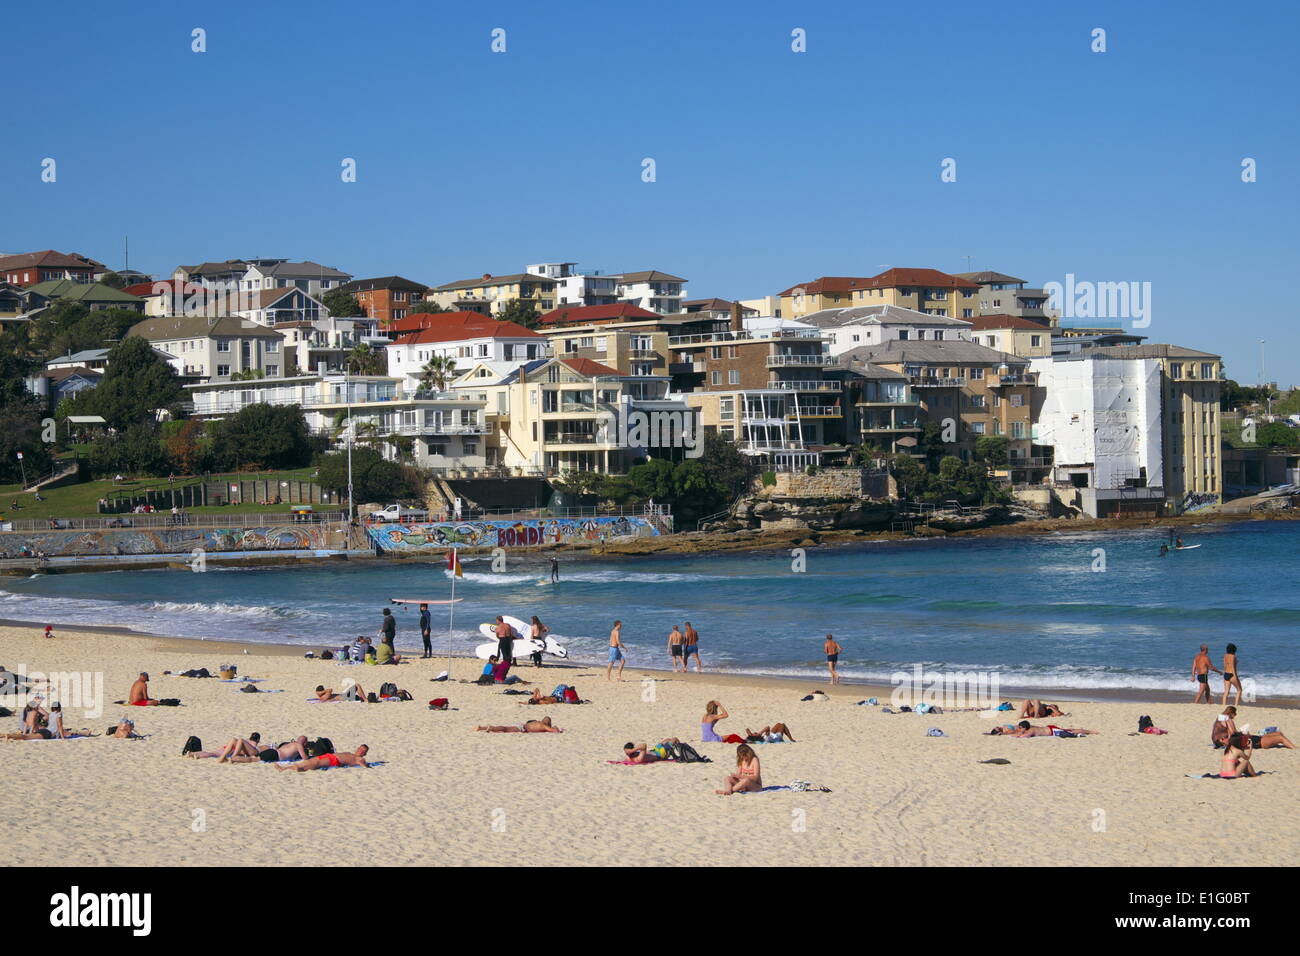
(168, 520)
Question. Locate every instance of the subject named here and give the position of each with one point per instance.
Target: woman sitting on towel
(1236, 758)
(776, 734)
(713, 712)
(748, 776)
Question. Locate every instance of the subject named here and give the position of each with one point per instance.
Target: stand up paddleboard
(423, 601)
(1187, 547)
(524, 645)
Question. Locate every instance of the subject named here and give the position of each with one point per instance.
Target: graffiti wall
(1198, 501)
(436, 536)
(161, 540)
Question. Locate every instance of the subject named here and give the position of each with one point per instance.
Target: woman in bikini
(1226, 725)
(538, 631)
(748, 776)
(1038, 710)
(542, 726)
(713, 712)
(1236, 758)
(1231, 674)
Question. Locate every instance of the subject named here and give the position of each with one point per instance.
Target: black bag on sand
(321, 745)
(169, 702)
(688, 754)
(1144, 722)
(192, 745)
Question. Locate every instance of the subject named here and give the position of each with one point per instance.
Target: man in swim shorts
(357, 759)
(690, 645)
(1201, 667)
(675, 648)
(615, 651)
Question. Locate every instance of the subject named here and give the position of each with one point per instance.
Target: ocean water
(1031, 609)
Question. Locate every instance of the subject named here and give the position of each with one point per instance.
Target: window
(997, 427)
(977, 428)
(223, 345)
(902, 335)
(715, 353)
(976, 374)
(1175, 369)
(1035, 340)
(272, 348)
(1207, 370)
(600, 343)
(920, 335)
(977, 401)
(938, 335)
(273, 371)
(223, 371)
(726, 409)
(1017, 400)
(715, 378)
(733, 377)
(470, 447)
(1017, 429)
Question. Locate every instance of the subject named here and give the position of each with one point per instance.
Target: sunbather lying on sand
(1038, 710)
(357, 759)
(326, 695)
(1226, 725)
(46, 734)
(125, 730)
(1026, 729)
(252, 751)
(777, 733)
(640, 753)
(542, 726)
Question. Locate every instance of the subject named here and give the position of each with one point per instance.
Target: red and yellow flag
(453, 564)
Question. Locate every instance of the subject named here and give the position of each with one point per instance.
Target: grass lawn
(81, 500)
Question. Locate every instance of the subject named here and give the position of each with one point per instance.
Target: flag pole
(451, 610)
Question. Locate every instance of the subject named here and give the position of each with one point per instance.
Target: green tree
(112, 280)
(1277, 435)
(437, 372)
(262, 436)
(520, 313)
(136, 384)
(364, 360)
(136, 451)
(992, 449)
(340, 303)
(373, 477)
(21, 432)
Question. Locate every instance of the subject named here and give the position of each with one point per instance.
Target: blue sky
(773, 167)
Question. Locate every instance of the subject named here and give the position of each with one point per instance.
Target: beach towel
(798, 786)
(244, 680)
(631, 763)
(257, 690)
(1215, 776)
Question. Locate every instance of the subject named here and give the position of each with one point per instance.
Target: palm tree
(363, 360)
(437, 372)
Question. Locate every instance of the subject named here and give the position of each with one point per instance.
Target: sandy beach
(445, 794)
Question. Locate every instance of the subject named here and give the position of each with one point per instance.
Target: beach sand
(448, 795)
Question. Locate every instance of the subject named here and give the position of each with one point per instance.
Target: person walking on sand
(615, 651)
(832, 650)
(690, 645)
(675, 648)
(1201, 667)
(426, 630)
(1231, 675)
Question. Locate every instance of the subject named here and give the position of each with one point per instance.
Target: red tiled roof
(892, 278)
(585, 314)
(457, 327)
(982, 323)
(586, 366)
(841, 284)
(48, 258)
(419, 321)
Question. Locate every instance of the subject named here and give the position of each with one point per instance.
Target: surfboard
(523, 645)
(1188, 547)
(423, 601)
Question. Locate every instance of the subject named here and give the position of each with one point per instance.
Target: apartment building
(274, 307)
(883, 410)
(323, 345)
(1001, 294)
(557, 415)
(464, 343)
(971, 388)
(490, 294)
(573, 287)
(255, 275)
(387, 298)
(653, 290)
(1101, 416)
(1192, 444)
(928, 291)
(445, 433)
(1012, 333)
(215, 349)
(850, 328)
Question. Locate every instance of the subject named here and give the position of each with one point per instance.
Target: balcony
(721, 338)
(878, 429)
(804, 385)
(799, 360)
(643, 353)
(927, 381)
(686, 368)
(815, 411)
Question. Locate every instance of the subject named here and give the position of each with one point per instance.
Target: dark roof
(650, 275)
(384, 282)
(982, 323)
(47, 258)
(1151, 351)
(162, 328)
(956, 351)
(490, 279)
(983, 278)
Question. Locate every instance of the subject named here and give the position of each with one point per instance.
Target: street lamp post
(23, 467)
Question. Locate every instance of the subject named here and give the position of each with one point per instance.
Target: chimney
(523, 376)
(737, 322)
(486, 276)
